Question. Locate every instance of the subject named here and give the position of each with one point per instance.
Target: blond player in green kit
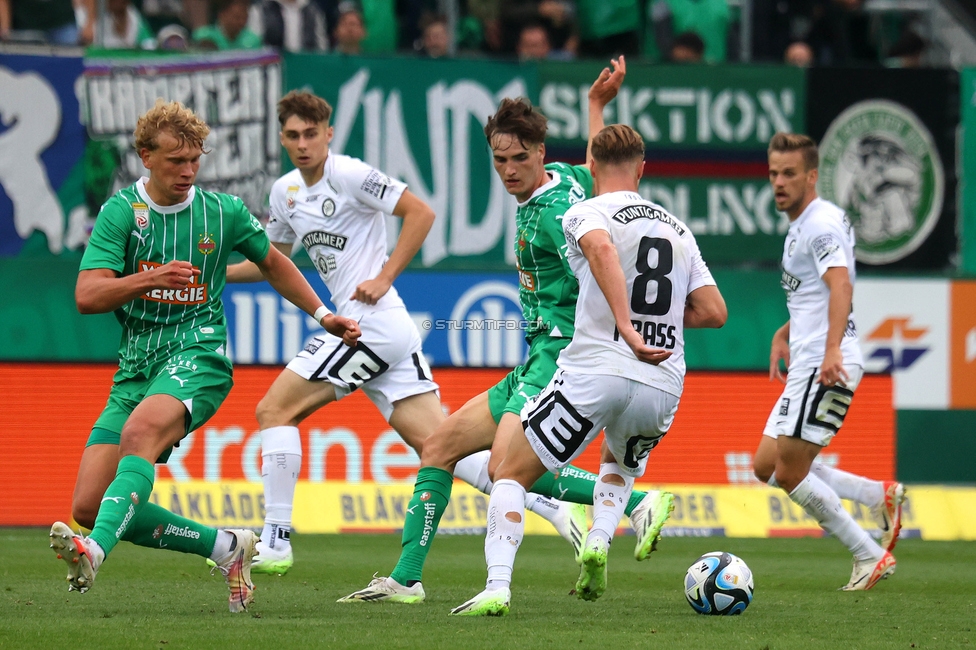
(158, 258)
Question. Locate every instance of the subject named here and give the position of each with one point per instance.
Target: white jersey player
(642, 281)
(820, 347)
(335, 207)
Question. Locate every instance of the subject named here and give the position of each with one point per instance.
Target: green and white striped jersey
(547, 287)
(133, 234)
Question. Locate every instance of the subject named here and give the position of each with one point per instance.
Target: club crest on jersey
(141, 211)
(791, 248)
(290, 196)
(521, 241)
(328, 207)
(206, 244)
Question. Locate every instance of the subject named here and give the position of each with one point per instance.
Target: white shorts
(572, 410)
(809, 410)
(387, 362)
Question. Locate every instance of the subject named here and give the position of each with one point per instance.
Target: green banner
(698, 108)
(967, 173)
(734, 220)
(421, 121)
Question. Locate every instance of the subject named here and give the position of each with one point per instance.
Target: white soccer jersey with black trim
(341, 223)
(819, 239)
(662, 265)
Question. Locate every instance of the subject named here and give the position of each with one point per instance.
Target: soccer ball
(719, 583)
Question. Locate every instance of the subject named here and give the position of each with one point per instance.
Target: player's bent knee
(436, 452)
(270, 414)
(763, 472)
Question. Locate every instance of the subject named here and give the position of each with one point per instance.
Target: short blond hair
(173, 117)
(786, 142)
(617, 144)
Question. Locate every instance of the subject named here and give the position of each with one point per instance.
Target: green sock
(576, 486)
(431, 493)
(157, 527)
(127, 495)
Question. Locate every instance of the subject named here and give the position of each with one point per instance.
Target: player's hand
(832, 370)
(780, 349)
(345, 328)
(174, 275)
(643, 353)
(371, 291)
(607, 85)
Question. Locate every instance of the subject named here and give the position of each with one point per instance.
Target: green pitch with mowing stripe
(154, 599)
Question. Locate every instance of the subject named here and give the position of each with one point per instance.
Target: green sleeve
(106, 247)
(249, 237)
(584, 177)
(249, 40)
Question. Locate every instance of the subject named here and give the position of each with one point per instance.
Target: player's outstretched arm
(604, 262)
(705, 307)
(417, 217)
(248, 271)
(838, 282)
(284, 276)
(102, 290)
(602, 92)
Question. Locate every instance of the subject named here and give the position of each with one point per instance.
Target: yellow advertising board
(930, 512)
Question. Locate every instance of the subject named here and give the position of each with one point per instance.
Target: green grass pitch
(155, 599)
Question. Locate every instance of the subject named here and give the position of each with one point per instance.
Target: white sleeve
(278, 229)
(826, 245)
(581, 219)
(698, 276)
(370, 186)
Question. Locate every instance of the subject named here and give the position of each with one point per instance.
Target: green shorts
(198, 376)
(526, 381)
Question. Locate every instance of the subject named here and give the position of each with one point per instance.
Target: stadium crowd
(802, 32)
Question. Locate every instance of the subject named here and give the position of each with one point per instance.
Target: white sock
(823, 504)
(95, 552)
(850, 486)
(609, 502)
(545, 507)
(504, 535)
(281, 451)
(222, 546)
(473, 470)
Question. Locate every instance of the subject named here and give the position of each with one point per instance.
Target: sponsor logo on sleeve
(824, 246)
(376, 184)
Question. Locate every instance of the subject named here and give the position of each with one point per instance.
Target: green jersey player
(548, 292)
(157, 258)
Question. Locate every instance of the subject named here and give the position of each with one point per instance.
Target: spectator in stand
(435, 42)
(799, 54)
(841, 34)
(907, 51)
(709, 19)
(688, 48)
(349, 30)
(173, 38)
(381, 25)
(292, 25)
(487, 15)
(533, 43)
(47, 21)
(558, 16)
(122, 27)
(230, 32)
(609, 27)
